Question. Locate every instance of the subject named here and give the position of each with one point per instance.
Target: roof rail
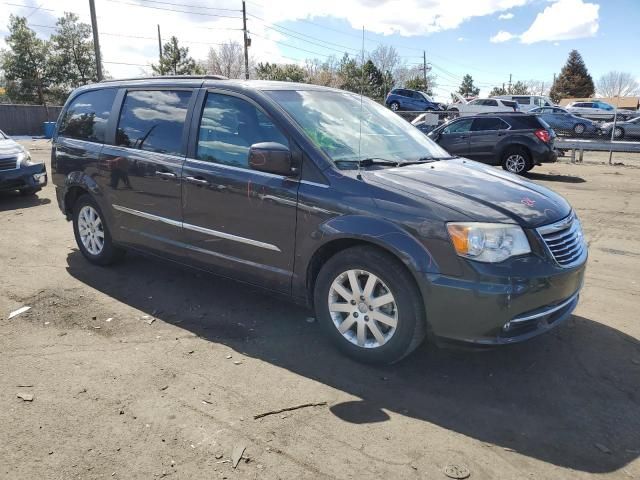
(169, 77)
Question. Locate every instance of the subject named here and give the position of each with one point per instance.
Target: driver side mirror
(271, 157)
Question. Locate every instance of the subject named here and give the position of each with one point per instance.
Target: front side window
(461, 126)
(153, 120)
(229, 126)
(523, 100)
(87, 115)
(491, 103)
(347, 128)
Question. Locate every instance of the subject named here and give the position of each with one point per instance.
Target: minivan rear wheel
(92, 233)
(516, 160)
(369, 305)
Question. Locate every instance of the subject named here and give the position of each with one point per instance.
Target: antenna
(361, 89)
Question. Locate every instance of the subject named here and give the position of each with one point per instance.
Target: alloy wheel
(617, 132)
(91, 230)
(394, 106)
(579, 129)
(516, 163)
(363, 308)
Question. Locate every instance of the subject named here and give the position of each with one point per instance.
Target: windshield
(331, 119)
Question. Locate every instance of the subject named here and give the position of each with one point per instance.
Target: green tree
(519, 88)
(574, 80)
(373, 81)
(417, 83)
(497, 91)
(176, 60)
(284, 73)
(467, 88)
(73, 61)
(26, 64)
(350, 74)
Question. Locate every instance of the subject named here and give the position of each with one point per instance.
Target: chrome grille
(8, 163)
(564, 240)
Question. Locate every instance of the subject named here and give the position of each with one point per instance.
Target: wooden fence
(26, 119)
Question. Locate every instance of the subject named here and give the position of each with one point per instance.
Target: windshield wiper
(426, 160)
(368, 162)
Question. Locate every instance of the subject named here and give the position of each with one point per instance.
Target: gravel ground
(117, 395)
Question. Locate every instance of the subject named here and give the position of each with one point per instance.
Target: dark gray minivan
(309, 192)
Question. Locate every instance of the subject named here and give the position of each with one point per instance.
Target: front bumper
(31, 177)
(502, 310)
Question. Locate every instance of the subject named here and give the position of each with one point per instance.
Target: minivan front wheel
(92, 234)
(516, 161)
(369, 305)
(395, 106)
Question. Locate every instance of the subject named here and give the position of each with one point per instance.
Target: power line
(173, 10)
(292, 46)
(186, 5)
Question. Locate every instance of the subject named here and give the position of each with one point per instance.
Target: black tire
(109, 253)
(395, 106)
(29, 191)
(524, 164)
(410, 329)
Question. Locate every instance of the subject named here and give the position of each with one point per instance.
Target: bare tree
(228, 60)
(387, 60)
(322, 72)
(538, 87)
(617, 84)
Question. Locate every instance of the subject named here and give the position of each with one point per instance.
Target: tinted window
(460, 126)
(522, 100)
(509, 103)
(87, 115)
(229, 126)
(153, 120)
(484, 124)
(525, 122)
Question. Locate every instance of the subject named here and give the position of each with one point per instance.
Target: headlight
(25, 160)
(488, 242)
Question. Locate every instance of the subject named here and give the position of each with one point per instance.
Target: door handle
(166, 174)
(197, 181)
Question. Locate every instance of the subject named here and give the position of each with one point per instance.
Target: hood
(477, 191)
(459, 98)
(10, 148)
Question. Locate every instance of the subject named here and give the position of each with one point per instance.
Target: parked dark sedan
(566, 123)
(18, 171)
(319, 195)
(411, 100)
(516, 141)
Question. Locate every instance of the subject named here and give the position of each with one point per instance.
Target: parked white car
(481, 105)
(528, 102)
(597, 110)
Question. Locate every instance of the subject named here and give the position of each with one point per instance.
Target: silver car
(628, 129)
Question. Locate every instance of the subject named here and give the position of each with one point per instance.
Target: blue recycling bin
(49, 128)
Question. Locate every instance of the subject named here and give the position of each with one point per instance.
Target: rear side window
(485, 124)
(229, 126)
(526, 122)
(153, 120)
(87, 115)
(509, 103)
(521, 100)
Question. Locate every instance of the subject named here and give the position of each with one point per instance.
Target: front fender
(383, 233)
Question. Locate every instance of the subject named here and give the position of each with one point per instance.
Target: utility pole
(246, 41)
(96, 40)
(159, 44)
(509, 83)
(424, 69)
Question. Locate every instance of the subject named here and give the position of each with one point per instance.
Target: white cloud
(505, 16)
(502, 36)
(563, 20)
(461, 39)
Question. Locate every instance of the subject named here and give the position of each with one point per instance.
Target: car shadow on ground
(554, 177)
(570, 398)
(15, 201)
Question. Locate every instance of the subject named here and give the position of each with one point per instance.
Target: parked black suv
(516, 141)
(302, 190)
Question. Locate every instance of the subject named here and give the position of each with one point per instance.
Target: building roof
(621, 102)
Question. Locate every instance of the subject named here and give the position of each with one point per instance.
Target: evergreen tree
(26, 64)
(176, 60)
(73, 61)
(417, 83)
(497, 91)
(574, 80)
(283, 73)
(467, 88)
(519, 88)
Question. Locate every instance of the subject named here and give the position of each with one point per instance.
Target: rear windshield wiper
(368, 162)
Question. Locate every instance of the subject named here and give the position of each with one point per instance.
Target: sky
(489, 39)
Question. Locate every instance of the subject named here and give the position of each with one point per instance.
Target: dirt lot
(118, 396)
